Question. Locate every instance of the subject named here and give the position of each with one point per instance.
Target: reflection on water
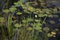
(57, 3)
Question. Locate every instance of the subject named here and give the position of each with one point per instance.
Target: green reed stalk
(10, 28)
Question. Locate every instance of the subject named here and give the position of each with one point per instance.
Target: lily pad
(29, 28)
(1, 19)
(17, 25)
(19, 13)
(12, 9)
(6, 11)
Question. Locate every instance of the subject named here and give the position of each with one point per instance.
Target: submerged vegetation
(30, 20)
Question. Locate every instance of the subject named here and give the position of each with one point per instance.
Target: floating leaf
(19, 13)
(17, 25)
(50, 16)
(38, 28)
(24, 21)
(52, 22)
(41, 15)
(59, 8)
(53, 33)
(30, 8)
(29, 28)
(49, 35)
(47, 11)
(55, 10)
(29, 19)
(45, 15)
(16, 4)
(46, 29)
(6, 11)
(1, 19)
(34, 25)
(37, 20)
(12, 9)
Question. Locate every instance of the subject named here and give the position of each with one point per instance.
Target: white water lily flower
(36, 16)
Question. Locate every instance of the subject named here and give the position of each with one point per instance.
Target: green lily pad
(52, 22)
(38, 28)
(19, 13)
(29, 28)
(24, 21)
(29, 19)
(6, 11)
(37, 20)
(12, 9)
(1, 19)
(49, 35)
(17, 25)
(41, 15)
